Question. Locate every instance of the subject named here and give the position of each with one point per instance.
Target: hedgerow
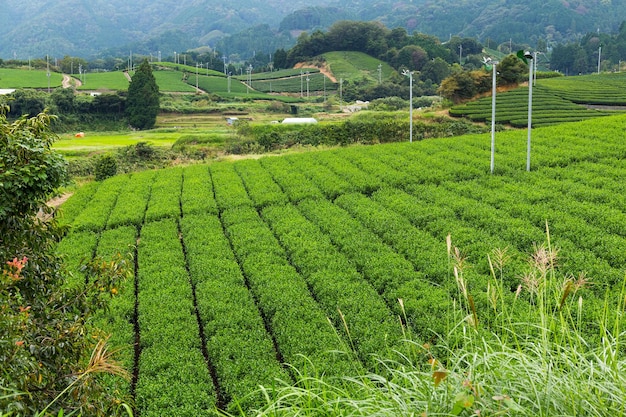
(75, 205)
(320, 175)
(118, 320)
(228, 187)
(384, 269)
(165, 195)
(336, 284)
(240, 350)
(173, 376)
(197, 194)
(293, 183)
(358, 130)
(297, 321)
(96, 215)
(133, 199)
(263, 191)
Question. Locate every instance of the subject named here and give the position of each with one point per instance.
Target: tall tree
(142, 104)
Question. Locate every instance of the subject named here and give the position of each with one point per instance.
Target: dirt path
(54, 203)
(68, 81)
(323, 69)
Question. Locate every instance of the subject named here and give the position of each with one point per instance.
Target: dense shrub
(362, 130)
(105, 167)
(389, 103)
(44, 339)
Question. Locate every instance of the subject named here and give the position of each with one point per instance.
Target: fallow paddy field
(393, 280)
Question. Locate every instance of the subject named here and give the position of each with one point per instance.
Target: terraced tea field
(555, 100)
(241, 267)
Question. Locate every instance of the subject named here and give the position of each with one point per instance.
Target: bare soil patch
(323, 69)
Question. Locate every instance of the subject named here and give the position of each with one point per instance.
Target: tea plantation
(323, 259)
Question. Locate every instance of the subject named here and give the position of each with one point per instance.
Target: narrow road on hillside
(70, 81)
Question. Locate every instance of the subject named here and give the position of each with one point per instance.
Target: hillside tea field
(324, 259)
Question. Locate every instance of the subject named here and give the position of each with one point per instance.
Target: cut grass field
(98, 142)
(187, 68)
(168, 81)
(354, 66)
(24, 78)
(111, 81)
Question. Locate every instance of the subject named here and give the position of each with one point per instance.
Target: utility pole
(529, 56)
(307, 84)
(341, 94)
(410, 75)
(48, 72)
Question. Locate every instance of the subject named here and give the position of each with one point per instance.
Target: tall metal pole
(410, 75)
(493, 116)
(48, 72)
(535, 68)
(341, 94)
(307, 84)
(530, 111)
(599, 55)
(411, 107)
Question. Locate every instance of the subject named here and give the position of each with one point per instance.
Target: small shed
(299, 120)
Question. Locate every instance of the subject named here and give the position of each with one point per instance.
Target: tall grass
(548, 358)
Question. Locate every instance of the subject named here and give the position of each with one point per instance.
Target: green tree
(25, 102)
(463, 85)
(43, 333)
(142, 104)
(512, 70)
(63, 98)
(71, 65)
(411, 56)
(435, 70)
(280, 59)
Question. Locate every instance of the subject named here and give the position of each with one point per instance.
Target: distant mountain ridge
(87, 28)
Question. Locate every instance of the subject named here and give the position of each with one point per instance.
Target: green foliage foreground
(302, 259)
(45, 338)
(504, 372)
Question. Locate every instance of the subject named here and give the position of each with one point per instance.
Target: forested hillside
(74, 27)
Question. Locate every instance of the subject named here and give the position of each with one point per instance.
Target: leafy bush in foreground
(44, 339)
